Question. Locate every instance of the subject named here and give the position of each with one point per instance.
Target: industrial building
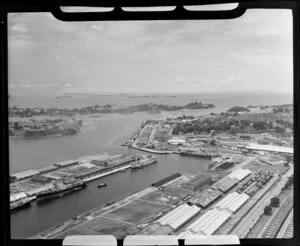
(208, 223)
(25, 174)
(102, 163)
(41, 179)
(240, 174)
(225, 184)
(47, 169)
(197, 182)
(66, 163)
(232, 201)
(179, 216)
(166, 179)
(206, 198)
(271, 148)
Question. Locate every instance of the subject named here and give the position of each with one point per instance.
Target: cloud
(19, 28)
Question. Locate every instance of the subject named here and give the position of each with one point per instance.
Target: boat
(101, 185)
(144, 162)
(200, 154)
(61, 188)
(24, 202)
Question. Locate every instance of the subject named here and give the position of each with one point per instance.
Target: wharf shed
(166, 179)
(225, 184)
(197, 181)
(206, 198)
(47, 169)
(240, 174)
(179, 216)
(66, 163)
(232, 201)
(25, 174)
(210, 221)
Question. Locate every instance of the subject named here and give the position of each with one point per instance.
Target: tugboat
(101, 185)
(61, 188)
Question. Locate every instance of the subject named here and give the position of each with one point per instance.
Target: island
(237, 109)
(43, 128)
(107, 108)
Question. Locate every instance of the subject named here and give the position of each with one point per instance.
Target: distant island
(237, 109)
(108, 108)
(32, 128)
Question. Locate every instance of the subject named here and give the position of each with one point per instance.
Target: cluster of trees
(274, 202)
(106, 109)
(198, 105)
(49, 132)
(218, 125)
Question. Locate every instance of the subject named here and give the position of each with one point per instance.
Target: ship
(144, 162)
(24, 202)
(200, 154)
(101, 185)
(62, 188)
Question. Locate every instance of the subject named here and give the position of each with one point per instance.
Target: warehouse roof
(273, 148)
(232, 201)
(25, 174)
(65, 163)
(210, 221)
(240, 174)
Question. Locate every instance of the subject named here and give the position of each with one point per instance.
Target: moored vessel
(62, 188)
(144, 162)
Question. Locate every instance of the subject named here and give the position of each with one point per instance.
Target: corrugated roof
(219, 220)
(232, 201)
(274, 148)
(240, 174)
(25, 174)
(164, 220)
(178, 215)
(185, 217)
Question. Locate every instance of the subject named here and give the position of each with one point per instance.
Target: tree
(267, 210)
(275, 201)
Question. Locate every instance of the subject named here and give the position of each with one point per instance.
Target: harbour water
(107, 134)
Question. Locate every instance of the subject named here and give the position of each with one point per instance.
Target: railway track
(278, 220)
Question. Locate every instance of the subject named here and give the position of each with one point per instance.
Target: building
(197, 182)
(25, 174)
(271, 148)
(41, 179)
(102, 163)
(176, 141)
(66, 163)
(47, 169)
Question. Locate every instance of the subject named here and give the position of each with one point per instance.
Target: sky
(51, 57)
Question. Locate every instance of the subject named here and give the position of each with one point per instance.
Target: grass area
(102, 226)
(136, 212)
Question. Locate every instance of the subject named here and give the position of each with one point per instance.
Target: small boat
(101, 185)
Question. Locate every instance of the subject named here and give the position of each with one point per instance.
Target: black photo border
(118, 14)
